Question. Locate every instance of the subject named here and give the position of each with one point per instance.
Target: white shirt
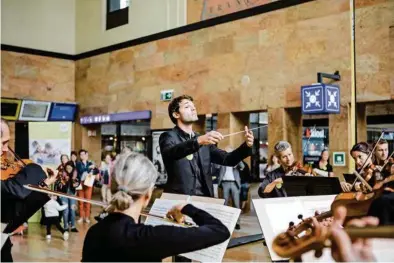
(52, 208)
(229, 175)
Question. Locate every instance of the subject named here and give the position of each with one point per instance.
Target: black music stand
(239, 241)
(349, 178)
(311, 185)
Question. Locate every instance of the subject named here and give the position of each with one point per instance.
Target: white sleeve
(61, 207)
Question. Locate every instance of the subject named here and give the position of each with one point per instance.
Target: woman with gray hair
(119, 237)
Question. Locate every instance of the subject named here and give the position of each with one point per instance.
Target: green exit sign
(166, 95)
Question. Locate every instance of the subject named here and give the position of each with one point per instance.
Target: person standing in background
(84, 169)
(244, 172)
(323, 166)
(273, 164)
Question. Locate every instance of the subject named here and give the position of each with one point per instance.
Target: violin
(11, 166)
(294, 243)
(298, 169)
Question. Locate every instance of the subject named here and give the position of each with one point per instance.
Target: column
(340, 139)
(231, 123)
(91, 143)
(361, 115)
(285, 124)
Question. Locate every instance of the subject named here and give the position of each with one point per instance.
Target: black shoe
(237, 226)
(74, 229)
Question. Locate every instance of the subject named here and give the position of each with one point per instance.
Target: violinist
(381, 156)
(272, 183)
(18, 204)
(361, 155)
(381, 152)
(120, 238)
(67, 183)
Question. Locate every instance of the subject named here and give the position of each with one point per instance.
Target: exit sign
(166, 95)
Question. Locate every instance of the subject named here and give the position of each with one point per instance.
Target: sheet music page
(228, 216)
(160, 208)
(320, 205)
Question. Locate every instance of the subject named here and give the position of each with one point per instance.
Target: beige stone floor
(32, 246)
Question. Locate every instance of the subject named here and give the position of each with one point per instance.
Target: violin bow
(93, 202)
(365, 163)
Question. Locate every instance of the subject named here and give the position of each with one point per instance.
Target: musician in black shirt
(119, 237)
(272, 185)
(18, 204)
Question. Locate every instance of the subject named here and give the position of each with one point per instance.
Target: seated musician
(361, 154)
(272, 183)
(382, 207)
(381, 155)
(18, 204)
(121, 238)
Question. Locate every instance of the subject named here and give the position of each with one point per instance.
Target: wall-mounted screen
(34, 110)
(62, 112)
(10, 108)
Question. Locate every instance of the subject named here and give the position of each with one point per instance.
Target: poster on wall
(157, 159)
(48, 141)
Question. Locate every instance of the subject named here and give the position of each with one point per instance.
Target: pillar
(199, 126)
(361, 114)
(340, 132)
(85, 140)
(285, 124)
(231, 123)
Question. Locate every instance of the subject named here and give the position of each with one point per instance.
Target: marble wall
(253, 64)
(37, 78)
(246, 65)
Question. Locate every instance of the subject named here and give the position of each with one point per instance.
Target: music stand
(239, 241)
(349, 178)
(311, 185)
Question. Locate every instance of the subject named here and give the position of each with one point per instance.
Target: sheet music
(311, 206)
(228, 216)
(160, 208)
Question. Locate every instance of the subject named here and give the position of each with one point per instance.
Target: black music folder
(311, 185)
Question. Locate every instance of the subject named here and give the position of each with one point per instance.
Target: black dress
(117, 238)
(18, 204)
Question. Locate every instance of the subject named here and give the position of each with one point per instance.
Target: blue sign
(115, 117)
(62, 112)
(320, 99)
